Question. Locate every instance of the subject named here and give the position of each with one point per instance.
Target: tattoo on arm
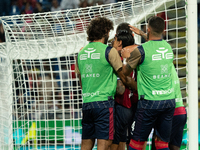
(120, 69)
(128, 70)
(144, 35)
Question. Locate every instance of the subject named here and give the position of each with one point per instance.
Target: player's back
(97, 75)
(154, 74)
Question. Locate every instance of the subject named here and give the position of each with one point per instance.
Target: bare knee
(87, 144)
(173, 147)
(103, 144)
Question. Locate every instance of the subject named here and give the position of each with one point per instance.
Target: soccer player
(125, 99)
(154, 62)
(179, 118)
(180, 115)
(96, 67)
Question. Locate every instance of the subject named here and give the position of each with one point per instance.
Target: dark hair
(124, 26)
(126, 38)
(157, 24)
(124, 34)
(98, 28)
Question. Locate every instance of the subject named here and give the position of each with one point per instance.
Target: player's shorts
(98, 123)
(134, 108)
(149, 114)
(123, 120)
(178, 124)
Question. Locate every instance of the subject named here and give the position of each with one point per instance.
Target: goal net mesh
(41, 98)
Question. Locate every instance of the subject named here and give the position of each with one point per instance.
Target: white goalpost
(192, 70)
(41, 98)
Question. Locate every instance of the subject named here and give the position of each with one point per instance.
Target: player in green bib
(97, 65)
(180, 115)
(179, 118)
(154, 62)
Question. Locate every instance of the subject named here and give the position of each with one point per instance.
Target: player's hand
(138, 32)
(135, 30)
(120, 88)
(125, 53)
(131, 83)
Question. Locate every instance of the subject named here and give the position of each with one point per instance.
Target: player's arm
(132, 82)
(78, 73)
(133, 60)
(115, 61)
(77, 69)
(139, 32)
(128, 81)
(120, 87)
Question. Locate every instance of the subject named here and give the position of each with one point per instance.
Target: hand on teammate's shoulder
(127, 50)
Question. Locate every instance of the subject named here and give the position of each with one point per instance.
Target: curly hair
(98, 28)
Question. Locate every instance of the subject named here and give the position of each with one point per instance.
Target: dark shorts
(98, 123)
(149, 114)
(123, 120)
(178, 124)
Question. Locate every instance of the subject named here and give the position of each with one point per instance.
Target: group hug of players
(124, 100)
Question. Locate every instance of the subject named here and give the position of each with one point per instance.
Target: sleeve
(114, 59)
(134, 59)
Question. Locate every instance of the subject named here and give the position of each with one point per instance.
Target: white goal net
(41, 97)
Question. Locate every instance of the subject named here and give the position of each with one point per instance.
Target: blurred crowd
(46, 89)
(17, 7)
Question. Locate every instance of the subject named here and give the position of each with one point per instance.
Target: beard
(106, 39)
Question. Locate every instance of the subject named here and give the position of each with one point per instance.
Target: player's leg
(141, 127)
(146, 116)
(163, 128)
(178, 124)
(88, 130)
(103, 144)
(87, 144)
(153, 142)
(104, 127)
(145, 145)
(123, 116)
(117, 124)
(122, 146)
(173, 147)
(133, 108)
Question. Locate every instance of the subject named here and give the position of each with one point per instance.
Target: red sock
(135, 145)
(161, 145)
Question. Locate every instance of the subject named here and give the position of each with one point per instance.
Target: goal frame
(192, 71)
(192, 76)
